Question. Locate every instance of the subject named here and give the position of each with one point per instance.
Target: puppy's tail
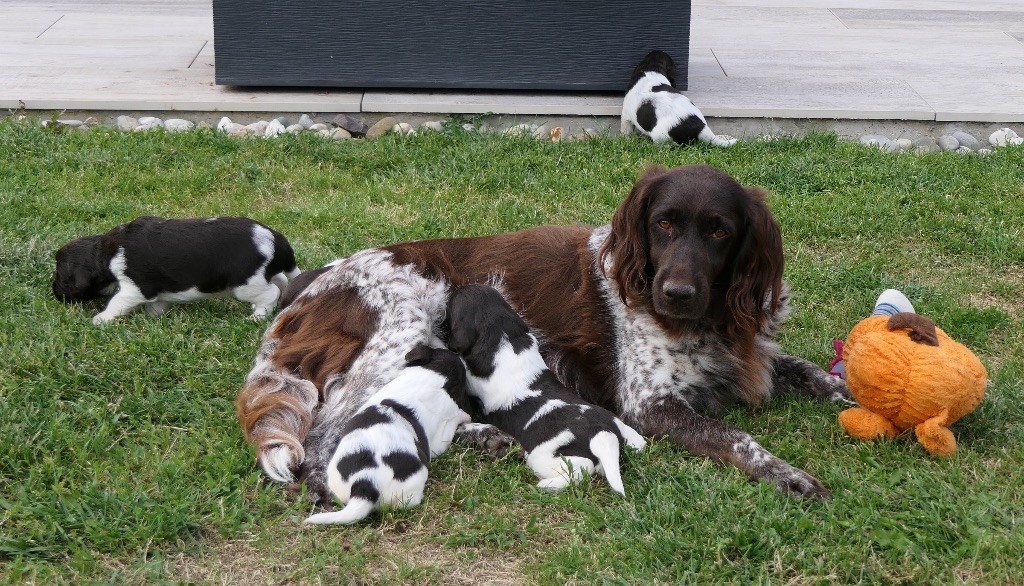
(707, 136)
(658, 62)
(361, 502)
(605, 447)
(275, 409)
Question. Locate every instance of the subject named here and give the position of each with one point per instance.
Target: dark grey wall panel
(502, 44)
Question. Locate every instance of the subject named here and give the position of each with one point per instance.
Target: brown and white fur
(666, 317)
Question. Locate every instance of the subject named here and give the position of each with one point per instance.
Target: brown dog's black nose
(678, 292)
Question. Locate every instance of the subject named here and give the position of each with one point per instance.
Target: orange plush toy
(904, 372)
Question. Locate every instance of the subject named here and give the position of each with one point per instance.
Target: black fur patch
(365, 490)
(687, 130)
(422, 445)
(352, 463)
(646, 117)
(665, 88)
(367, 418)
(402, 464)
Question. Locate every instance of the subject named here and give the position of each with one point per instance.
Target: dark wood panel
(510, 44)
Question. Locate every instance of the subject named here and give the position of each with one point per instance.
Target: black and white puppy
(655, 108)
(386, 446)
(561, 434)
(157, 261)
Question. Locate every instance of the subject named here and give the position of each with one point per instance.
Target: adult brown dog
(666, 317)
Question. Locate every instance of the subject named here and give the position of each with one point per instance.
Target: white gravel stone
(324, 132)
(224, 123)
(70, 122)
(126, 123)
(178, 125)
(984, 151)
(234, 128)
(925, 145)
(468, 127)
(340, 134)
(905, 144)
(307, 122)
(403, 128)
(1015, 140)
(153, 120)
(282, 120)
(274, 129)
(146, 127)
(875, 140)
(518, 130)
(319, 126)
(963, 150)
(295, 128)
(432, 125)
(542, 132)
(948, 143)
(258, 128)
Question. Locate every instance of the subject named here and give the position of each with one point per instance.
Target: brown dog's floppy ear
(627, 245)
(757, 270)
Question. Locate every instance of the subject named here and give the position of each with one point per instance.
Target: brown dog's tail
(275, 409)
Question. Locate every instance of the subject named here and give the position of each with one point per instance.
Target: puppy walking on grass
(562, 435)
(156, 261)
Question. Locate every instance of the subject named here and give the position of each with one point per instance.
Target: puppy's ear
(627, 248)
(420, 355)
(757, 269)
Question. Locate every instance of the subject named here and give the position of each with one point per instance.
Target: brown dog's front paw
(487, 437)
(794, 481)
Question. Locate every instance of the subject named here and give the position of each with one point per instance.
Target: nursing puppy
(157, 261)
(385, 447)
(561, 434)
(655, 108)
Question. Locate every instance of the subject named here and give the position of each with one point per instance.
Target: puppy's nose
(678, 291)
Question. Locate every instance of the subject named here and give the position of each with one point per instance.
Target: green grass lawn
(121, 459)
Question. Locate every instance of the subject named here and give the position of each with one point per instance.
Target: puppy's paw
(102, 318)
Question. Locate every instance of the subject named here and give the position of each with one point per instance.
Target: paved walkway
(944, 60)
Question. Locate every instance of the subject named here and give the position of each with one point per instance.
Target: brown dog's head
(695, 246)
(82, 273)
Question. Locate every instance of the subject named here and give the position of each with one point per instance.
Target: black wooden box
(456, 44)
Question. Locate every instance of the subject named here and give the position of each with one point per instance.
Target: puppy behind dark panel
(155, 261)
(655, 108)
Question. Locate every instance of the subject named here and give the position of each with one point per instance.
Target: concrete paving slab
(999, 100)
(869, 99)
(995, 20)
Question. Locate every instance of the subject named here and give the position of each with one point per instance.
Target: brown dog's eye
(665, 224)
(719, 233)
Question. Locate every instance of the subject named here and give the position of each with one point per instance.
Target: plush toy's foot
(865, 425)
(934, 435)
